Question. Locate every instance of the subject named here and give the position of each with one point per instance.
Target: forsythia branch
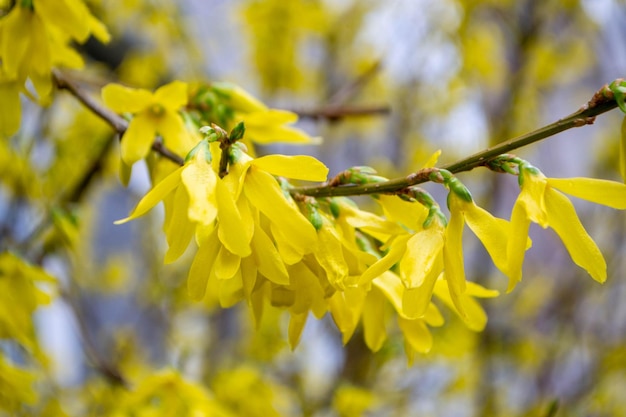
(601, 102)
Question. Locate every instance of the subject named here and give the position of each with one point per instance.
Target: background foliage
(452, 75)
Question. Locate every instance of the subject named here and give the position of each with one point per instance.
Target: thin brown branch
(118, 123)
(339, 112)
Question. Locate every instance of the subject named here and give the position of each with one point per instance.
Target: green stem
(601, 102)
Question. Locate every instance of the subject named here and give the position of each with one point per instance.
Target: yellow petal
(532, 196)
(272, 134)
(264, 193)
(270, 117)
(416, 334)
(289, 254)
(391, 286)
(300, 167)
(72, 16)
(10, 109)
(201, 267)
(453, 258)
(226, 264)
(346, 307)
(423, 250)
(411, 215)
(432, 161)
(240, 99)
(137, 139)
(16, 39)
(230, 291)
(583, 250)
(516, 244)
(330, 255)
(154, 196)
(607, 193)
(267, 258)
(374, 320)
(473, 314)
(396, 251)
(370, 223)
(98, 29)
(248, 274)
(233, 233)
(180, 230)
(123, 99)
(172, 96)
(296, 325)
(491, 231)
(175, 135)
(200, 181)
(433, 316)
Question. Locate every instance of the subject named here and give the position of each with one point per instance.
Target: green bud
(335, 208)
(455, 186)
(237, 132)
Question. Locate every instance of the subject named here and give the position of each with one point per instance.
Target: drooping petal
(201, 267)
(264, 193)
(175, 135)
(233, 233)
(226, 264)
(396, 251)
(137, 139)
(71, 15)
(491, 231)
(267, 258)
(416, 334)
(172, 96)
(300, 167)
(154, 196)
(607, 193)
(200, 181)
(330, 254)
(179, 230)
(346, 308)
(374, 318)
(583, 250)
(473, 314)
(411, 215)
(532, 196)
(453, 257)
(297, 321)
(123, 99)
(516, 244)
(10, 109)
(423, 250)
(16, 40)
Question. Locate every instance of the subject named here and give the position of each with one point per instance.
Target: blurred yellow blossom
(154, 113)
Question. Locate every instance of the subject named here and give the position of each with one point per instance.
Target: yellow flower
(154, 113)
(263, 125)
(541, 203)
(491, 231)
(36, 37)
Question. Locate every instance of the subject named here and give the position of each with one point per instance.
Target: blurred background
(386, 84)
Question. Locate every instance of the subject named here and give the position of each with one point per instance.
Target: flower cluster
(35, 37)
(260, 241)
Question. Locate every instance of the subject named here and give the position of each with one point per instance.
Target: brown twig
(338, 112)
